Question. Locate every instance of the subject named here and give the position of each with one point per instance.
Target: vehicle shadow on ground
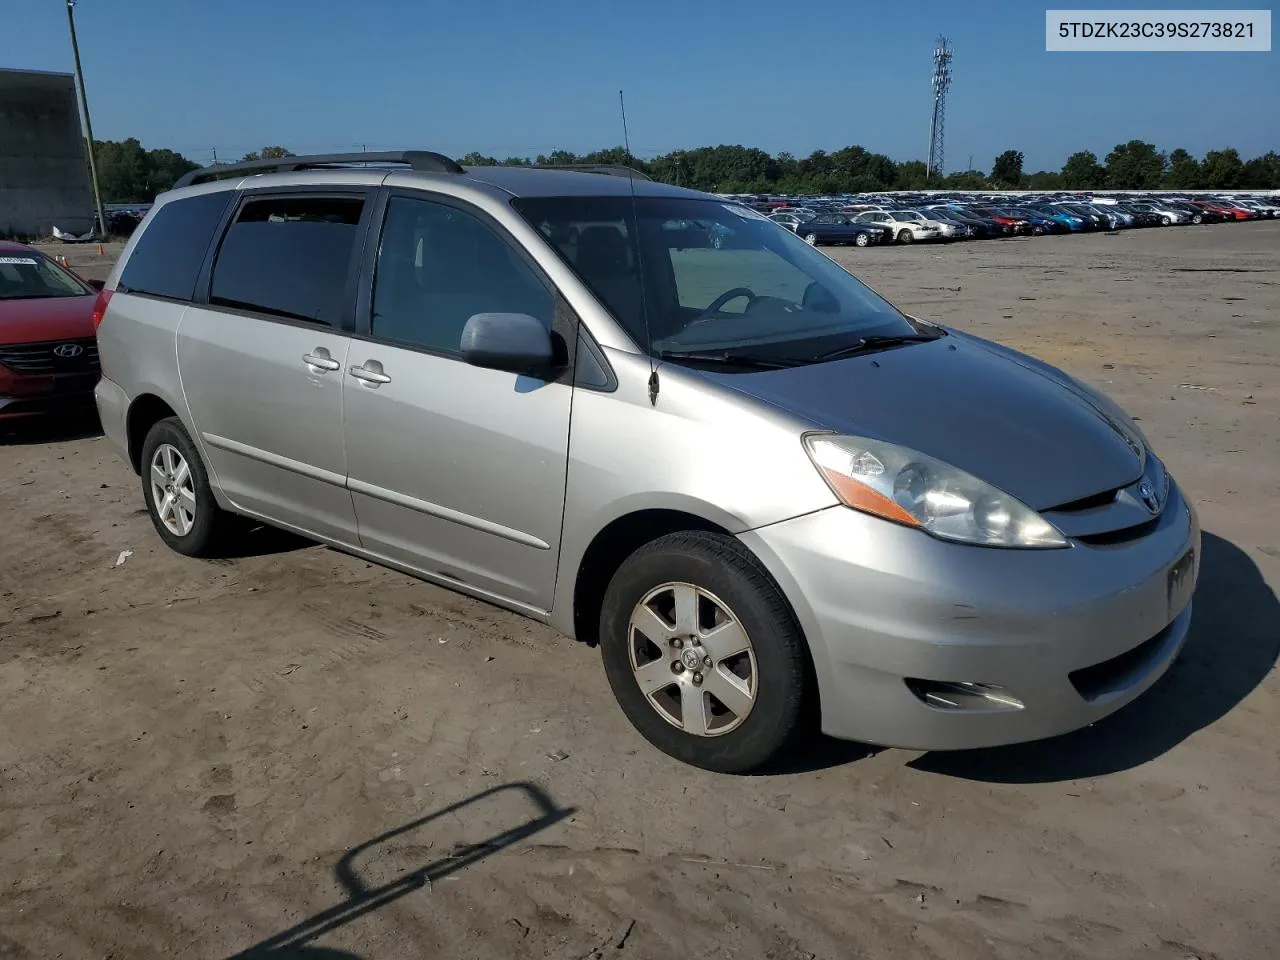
(362, 898)
(37, 430)
(253, 539)
(1233, 643)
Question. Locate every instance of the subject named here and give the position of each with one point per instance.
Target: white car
(948, 230)
(907, 225)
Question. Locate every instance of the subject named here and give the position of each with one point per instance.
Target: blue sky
(520, 78)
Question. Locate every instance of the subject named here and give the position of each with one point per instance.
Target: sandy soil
(293, 753)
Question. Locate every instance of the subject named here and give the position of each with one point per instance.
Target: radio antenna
(635, 227)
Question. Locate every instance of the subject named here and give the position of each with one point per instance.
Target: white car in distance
(908, 226)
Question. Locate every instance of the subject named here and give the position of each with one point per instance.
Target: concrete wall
(44, 175)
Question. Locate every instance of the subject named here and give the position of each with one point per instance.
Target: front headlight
(901, 485)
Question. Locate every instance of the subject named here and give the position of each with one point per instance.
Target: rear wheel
(811, 239)
(861, 240)
(904, 236)
(1198, 218)
(175, 486)
(703, 654)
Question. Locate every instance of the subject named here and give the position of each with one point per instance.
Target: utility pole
(88, 125)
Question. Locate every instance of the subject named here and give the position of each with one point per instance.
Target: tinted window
(437, 267)
(167, 258)
(289, 256)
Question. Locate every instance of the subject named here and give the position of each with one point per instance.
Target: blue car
(1071, 221)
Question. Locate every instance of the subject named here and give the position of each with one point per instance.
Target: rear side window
(289, 256)
(167, 258)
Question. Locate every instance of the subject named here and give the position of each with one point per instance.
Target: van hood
(1008, 419)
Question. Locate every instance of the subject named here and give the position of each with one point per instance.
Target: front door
(262, 362)
(455, 470)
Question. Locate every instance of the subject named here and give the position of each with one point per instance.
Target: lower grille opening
(1118, 672)
(963, 695)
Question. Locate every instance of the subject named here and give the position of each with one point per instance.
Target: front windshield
(709, 276)
(28, 276)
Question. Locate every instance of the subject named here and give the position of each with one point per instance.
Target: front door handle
(370, 374)
(320, 361)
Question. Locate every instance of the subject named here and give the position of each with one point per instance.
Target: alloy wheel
(692, 659)
(173, 490)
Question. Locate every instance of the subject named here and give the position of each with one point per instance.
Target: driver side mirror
(515, 342)
(96, 284)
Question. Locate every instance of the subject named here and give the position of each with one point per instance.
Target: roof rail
(609, 169)
(423, 160)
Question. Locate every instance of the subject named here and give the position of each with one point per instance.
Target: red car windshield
(27, 276)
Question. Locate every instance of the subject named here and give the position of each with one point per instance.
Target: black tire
(211, 524)
(724, 567)
(811, 239)
(861, 240)
(1198, 218)
(905, 236)
(1166, 221)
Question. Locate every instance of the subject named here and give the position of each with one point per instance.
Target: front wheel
(175, 487)
(1197, 219)
(861, 240)
(904, 236)
(703, 653)
(1166, 221)
(811, 239)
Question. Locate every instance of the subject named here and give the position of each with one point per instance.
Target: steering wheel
(728, 295)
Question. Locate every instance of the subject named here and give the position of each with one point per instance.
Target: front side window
(31, 276)
(437, 267)
(727, 280)
(289, 257)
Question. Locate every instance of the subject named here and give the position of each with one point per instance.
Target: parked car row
(865, 220)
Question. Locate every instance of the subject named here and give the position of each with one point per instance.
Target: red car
(1226, 210)
(48, 351)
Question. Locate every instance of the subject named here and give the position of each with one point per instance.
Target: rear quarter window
(167, 258)
(289, 257)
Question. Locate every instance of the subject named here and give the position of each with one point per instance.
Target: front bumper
(1072, 634)
(45, 395)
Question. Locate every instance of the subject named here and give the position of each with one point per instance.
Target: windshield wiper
(865, 344)
(729, 358)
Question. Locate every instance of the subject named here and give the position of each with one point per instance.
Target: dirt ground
(294, 753)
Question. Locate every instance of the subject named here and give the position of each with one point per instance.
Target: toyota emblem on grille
(68, 350)
(1148, 494)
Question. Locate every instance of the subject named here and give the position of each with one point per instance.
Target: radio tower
(941, 81)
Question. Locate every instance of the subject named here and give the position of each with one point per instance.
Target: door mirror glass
(515, 342)
(96, 284)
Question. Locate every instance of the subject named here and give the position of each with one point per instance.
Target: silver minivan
(661, 423)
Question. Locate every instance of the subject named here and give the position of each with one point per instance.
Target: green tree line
(129, 174)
